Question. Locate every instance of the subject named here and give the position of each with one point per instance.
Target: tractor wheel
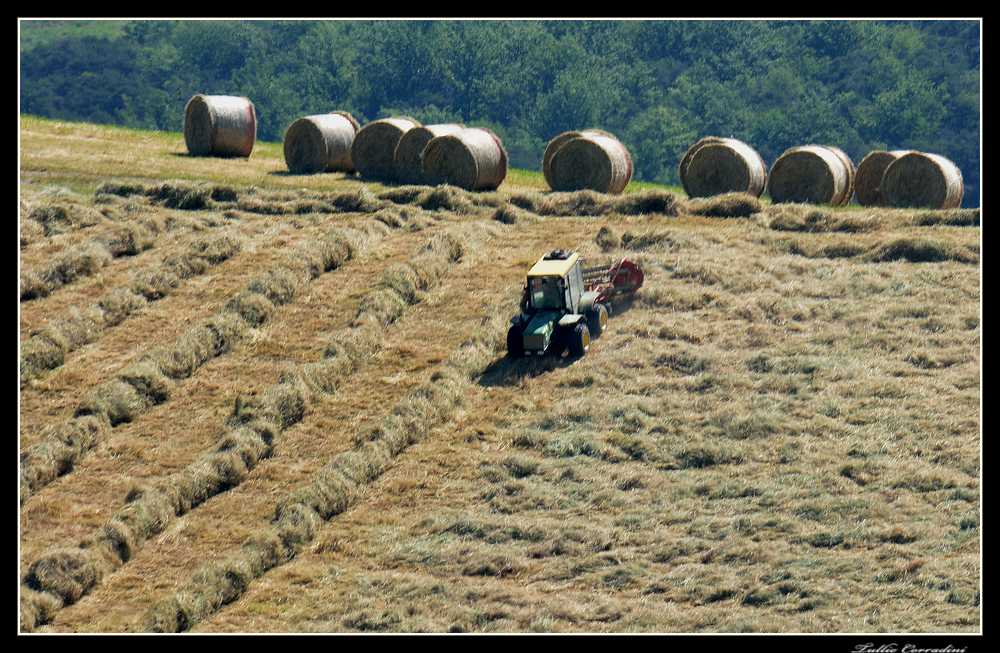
(515, 342)
(597, 320)
(579, 341)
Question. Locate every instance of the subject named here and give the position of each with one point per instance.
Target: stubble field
(259, 402)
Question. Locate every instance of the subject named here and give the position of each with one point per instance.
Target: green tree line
(658, 85)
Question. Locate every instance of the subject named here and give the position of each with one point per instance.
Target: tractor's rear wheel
(515, 342)
(579, 341)
(597, 320)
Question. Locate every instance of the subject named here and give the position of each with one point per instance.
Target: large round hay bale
(409, 166)
(473, 158)
(868, 181)
(922, 180)
(593, 162)
(374, 147)
(220, 125)
(321, 143)
(810, 174)
(560, 140)
(715, 166)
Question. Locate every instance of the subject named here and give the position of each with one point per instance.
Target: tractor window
(546, 293)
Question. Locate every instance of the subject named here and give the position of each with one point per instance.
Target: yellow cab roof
(553, 268)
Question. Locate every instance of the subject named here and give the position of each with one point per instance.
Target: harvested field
(294, 412)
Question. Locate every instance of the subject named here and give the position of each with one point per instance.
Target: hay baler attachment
(614, 280)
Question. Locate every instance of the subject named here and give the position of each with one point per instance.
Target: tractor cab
(555, 283)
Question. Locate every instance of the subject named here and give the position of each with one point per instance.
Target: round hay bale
(593, 162)
(375, 144)
(321, 143)
(220, 125)
(558, 142)
(809, 174)
(922, 180)
(868, 180)
(716, 166)
(473, 158)
(851, 174)
(411, 146)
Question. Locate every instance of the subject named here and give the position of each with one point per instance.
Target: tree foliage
(659, 85)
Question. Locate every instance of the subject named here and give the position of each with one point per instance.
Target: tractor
(564, 304)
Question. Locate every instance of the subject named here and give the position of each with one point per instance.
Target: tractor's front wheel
(515, 342)
(597, 320)
(579, 341)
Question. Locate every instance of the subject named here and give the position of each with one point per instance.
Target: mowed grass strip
(147, 381)
(254, 429)
(47, 349)
(336, 487)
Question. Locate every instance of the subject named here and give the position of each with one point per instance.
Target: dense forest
(658, 85)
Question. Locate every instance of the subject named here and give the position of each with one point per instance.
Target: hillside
(262, 402)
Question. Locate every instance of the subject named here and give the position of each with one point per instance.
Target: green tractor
(564, 305)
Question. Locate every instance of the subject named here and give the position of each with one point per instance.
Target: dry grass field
(259, 402)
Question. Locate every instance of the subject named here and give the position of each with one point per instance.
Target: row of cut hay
(146, 382)
(715, 166)
(185, 195)
(56, 219)
(85, 260)
(908, 249)
(173, 194)
(812, 174)
(62, 576)
(321, 143)
(374, 148)
(409, 152)
(472, 158)
(591, 160)
(338, 485)
(360, 200)
(220, 125)
(808, 218)
(47, 349)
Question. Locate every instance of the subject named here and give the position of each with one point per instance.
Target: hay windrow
(320, 143)
(375, 144)
(136, 388)
(561, 139)
(724, 165)
(335, 487)
(409, 152)
(254, 426)
(591, 162)
(728, 205)
(923, 180)
(868, 182)
(47, 350)
(220, 125)
(472, 159)
(67, 268)
(810, 174)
